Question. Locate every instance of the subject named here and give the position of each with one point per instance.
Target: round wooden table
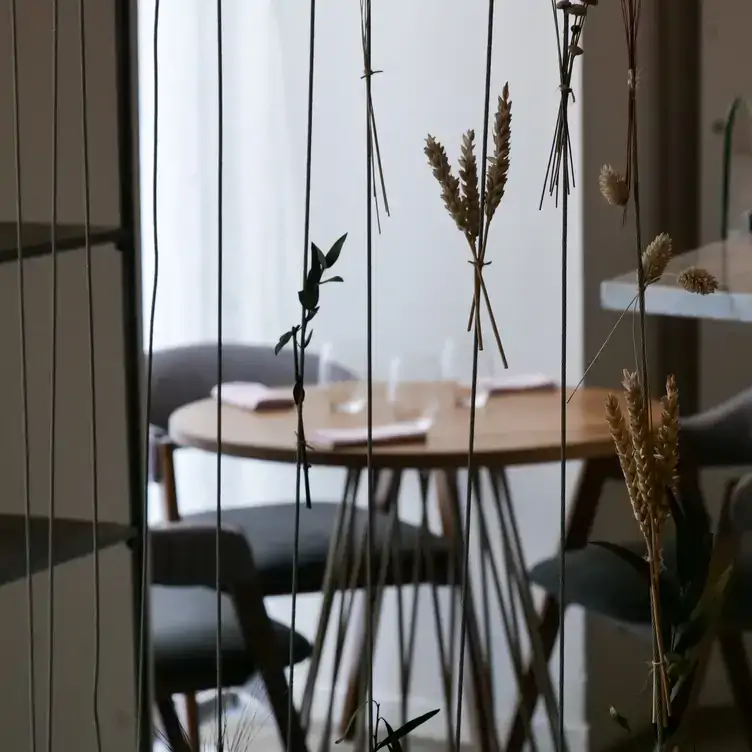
(512, 429)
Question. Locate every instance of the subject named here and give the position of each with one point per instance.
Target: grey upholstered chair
(184, 626)
(187, 374)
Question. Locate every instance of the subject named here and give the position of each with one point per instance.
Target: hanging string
(92, 373)
(306, 240)
(473, 389)
(369, 368)
(53, 390)
(143, 625)
(217, 552)
(24, 381)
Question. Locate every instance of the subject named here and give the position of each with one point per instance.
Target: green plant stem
(302, 446)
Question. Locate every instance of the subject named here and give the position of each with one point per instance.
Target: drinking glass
(412, 388)
(457, 367)
(347, 398)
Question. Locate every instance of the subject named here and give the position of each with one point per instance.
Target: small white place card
(252, 396)
(513, 382)
(393, 433)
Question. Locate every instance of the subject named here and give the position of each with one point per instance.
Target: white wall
(432, 81)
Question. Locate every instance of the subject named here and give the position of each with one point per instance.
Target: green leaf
(311, 314)
(637, 563)
(298, 393)
(308, 339)
(403, 731)
(314, 277)
(319, 256)
(332, 279)
(283, 340)
(620, 719)
(395, 746)
(334, 251)
(309, 297)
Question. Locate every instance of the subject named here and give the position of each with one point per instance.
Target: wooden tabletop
(730, 262)
(512, 429)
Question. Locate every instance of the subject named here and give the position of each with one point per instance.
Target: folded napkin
(518, 382)
(251, 396)
(393, 433)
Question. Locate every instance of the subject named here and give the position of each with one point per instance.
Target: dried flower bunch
(649, 462)
(472, 209)
(569, 19)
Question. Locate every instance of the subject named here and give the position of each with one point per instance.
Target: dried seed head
(469, 184)
(498, 169)
(667, 437)
(655, 258)
(624, 451)
(450, 185)
(575, 50)
(578, 10)
(697, 280)
(613, 186)
(642, 447)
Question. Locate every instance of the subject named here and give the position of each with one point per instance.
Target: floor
(251, 727)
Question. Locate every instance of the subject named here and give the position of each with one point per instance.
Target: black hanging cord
(217, 552)
(299, 469)
(92, 372)
(53, 388)
(474, 388)
(141, 671)
(24, 379)
(369, 368)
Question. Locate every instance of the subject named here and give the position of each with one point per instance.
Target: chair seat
(604, 584)
(270, 531)
(184, 641)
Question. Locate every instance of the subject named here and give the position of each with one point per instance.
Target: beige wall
(74, 601)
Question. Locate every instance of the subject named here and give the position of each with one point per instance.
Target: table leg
(581, 518)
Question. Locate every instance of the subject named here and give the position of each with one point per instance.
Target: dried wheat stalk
(462, 200)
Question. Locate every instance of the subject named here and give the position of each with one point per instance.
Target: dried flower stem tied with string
(462, 200)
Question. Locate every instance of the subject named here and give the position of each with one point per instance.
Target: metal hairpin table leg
(581, 518)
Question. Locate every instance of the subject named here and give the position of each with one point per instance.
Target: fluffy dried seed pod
(450, 185)
(697, 280)
(655, 258)
(469, 185)
(498, 169)
(667, 437)
(613, 186)
(623, 443)
(639, 429)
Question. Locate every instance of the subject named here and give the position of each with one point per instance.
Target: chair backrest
(181, 375)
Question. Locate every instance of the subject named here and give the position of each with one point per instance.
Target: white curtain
(262, 208)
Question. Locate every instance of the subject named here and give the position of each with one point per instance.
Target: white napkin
(393, 433)
(517, 382)
(252, 396)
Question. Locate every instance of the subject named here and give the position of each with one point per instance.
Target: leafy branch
(392, 740)
(300, 336)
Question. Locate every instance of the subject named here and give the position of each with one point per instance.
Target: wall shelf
(36, 238)
(72, 539)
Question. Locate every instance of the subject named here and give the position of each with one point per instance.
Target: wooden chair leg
(171, 724)
(191, 712)
(735, 660)
(581, 519)
(262, 643)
